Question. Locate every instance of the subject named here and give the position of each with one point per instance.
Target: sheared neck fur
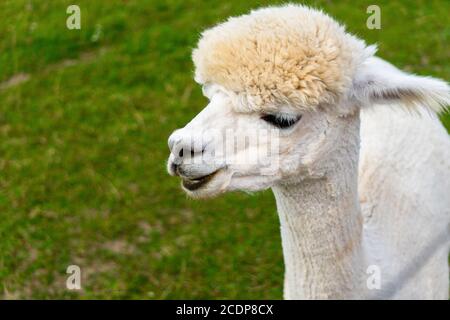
(321, 229)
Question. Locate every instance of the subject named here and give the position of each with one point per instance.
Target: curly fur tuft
(291, 55)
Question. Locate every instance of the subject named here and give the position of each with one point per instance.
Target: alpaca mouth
(197, 183)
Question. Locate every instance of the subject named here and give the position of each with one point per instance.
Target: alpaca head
(285, 86)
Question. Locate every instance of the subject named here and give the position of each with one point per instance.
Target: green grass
(83, 149)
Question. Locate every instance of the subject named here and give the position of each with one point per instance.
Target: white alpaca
(361, 168)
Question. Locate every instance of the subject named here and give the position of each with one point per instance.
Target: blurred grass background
(84, 119)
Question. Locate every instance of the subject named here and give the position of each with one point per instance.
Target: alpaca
(359, 163)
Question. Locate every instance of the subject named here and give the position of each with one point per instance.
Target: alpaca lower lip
(194, 184)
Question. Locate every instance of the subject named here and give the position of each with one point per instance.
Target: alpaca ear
(377, 81)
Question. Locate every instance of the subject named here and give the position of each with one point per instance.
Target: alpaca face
(224, 149)
(280, 110)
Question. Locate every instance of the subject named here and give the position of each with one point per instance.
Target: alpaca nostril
(174, 168)
(184, 151)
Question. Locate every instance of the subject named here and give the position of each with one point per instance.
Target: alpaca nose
(184, 145)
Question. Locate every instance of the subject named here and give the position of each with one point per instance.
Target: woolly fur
(290, 55)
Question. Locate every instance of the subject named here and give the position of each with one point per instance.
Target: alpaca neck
(321, 231)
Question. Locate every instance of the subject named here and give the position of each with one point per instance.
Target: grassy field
(84, 119)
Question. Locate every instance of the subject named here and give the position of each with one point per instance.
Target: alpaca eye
(281, 121)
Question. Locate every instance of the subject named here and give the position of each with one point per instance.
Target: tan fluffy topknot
(291, 55)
